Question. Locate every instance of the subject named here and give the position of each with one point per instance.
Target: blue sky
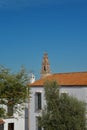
(28, 28)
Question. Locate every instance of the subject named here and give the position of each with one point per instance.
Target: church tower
(45, 71)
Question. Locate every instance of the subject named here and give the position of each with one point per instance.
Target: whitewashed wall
(18, 123)
(32, 113)
(18, 120)
(78, 91)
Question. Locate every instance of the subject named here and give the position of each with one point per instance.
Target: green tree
(13, 90)
(62, 112)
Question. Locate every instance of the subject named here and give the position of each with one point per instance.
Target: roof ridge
(69, 72)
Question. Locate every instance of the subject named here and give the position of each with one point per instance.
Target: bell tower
(45, 71)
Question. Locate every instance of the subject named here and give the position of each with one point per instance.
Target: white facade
(79, 92)
(17, 121)
(18, 124)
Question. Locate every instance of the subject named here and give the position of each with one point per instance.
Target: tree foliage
(62, 112)
(13, 87)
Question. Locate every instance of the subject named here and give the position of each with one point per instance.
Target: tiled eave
(64, 79)
(1, 122)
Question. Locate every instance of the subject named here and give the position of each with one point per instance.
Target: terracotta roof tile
(1, 122)
(69, 79)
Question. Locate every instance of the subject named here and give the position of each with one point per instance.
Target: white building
(13, 122)
(74, 84)
(16, 120)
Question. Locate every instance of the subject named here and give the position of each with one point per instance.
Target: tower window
(44, 68)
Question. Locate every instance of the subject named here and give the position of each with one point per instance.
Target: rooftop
(65, 79)
(1, 122)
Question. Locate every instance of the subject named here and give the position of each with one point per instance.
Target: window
(38, 127)
(38, 103)
(10, 110)
(44, 68)
(10, 126)
(1, 126)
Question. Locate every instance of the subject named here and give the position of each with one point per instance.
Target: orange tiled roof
(1, 122)
(73, 79)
